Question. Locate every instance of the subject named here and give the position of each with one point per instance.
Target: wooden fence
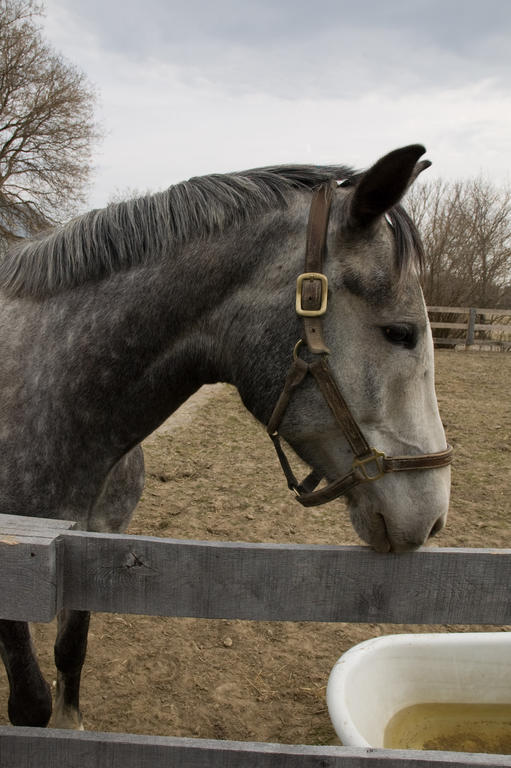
(474, 331)
(46, 566)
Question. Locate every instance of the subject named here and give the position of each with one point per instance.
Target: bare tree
(466, 228)
(488, 228)
(47, 126)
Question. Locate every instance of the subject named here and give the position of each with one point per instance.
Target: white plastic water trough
(378, 678)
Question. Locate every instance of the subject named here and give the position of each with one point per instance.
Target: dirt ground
(266, 681)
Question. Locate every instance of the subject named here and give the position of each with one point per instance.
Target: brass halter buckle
(365, 463)
(324, 294)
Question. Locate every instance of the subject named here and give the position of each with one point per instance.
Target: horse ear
(383, 185)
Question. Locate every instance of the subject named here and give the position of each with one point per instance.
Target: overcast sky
(199, 86)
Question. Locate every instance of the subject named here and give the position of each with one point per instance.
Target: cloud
(293, 48)
(214, 98)
(157, 140)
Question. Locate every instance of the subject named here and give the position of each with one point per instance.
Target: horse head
(378, 439)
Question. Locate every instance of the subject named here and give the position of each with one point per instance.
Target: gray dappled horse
(110, 323)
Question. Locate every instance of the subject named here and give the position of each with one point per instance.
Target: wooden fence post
(31, 572)
(471, 327)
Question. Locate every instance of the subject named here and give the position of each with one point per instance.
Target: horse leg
(30, 695)
(112, 512)
(120, 494)
(70, 649)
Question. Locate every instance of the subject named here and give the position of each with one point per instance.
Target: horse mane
(133, 232)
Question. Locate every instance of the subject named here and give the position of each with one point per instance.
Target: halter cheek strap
(368, 464)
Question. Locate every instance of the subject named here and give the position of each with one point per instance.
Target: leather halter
(369, 464)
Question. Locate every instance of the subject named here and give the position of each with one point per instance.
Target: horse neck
(146, 339)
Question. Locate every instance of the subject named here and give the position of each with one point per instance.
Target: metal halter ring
(296, 348)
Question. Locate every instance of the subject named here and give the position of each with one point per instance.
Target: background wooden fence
(475, 326)
(45, 566)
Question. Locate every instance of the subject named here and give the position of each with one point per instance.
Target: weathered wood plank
(477, 344)
(452, 310)
(30, 585)
(492, 327)
(45, 748)
(30, 580)
(477, 326)
(494, 311)
(459, 326)
(146, 575)
(479, 311)
(33, 526)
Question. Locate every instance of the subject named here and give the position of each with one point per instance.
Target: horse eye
(401, 333)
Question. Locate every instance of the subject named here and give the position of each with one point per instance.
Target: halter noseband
(369, 464)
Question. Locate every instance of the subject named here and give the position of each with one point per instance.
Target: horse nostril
(437, 527)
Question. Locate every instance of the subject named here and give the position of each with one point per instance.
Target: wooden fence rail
(46, 567)
(471, 327)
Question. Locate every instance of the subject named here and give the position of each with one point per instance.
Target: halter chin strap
(369, 464)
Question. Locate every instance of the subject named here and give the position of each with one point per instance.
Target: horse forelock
(139, 231)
